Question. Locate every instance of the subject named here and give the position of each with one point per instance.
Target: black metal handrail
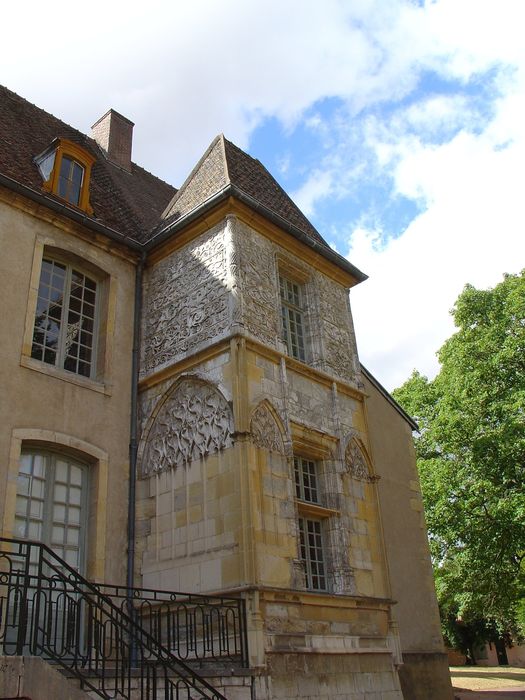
(47, 609)
(194, 627)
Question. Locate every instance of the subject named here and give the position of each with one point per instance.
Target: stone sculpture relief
(258, 285)
(356, 463)
(195, 421)
(186, 300)
(265, 431)
(336, 329)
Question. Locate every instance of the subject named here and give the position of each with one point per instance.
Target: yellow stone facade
(224, 412)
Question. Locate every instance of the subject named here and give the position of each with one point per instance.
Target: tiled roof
(225, 164)
(138, 205)
(128, 202)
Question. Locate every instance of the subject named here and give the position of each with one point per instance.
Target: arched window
(51, 503)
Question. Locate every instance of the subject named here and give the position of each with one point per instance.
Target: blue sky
(398, 127)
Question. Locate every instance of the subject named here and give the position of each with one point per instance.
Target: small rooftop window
(66, 169)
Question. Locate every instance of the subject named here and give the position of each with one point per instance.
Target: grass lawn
(486, 677)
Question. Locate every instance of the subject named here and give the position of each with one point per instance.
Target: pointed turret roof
(225, 169)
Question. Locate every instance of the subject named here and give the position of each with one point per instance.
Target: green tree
(471, 456)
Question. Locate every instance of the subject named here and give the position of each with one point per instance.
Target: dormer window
(66, 168)
(70, 180)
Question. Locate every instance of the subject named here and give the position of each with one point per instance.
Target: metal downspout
(133, 433)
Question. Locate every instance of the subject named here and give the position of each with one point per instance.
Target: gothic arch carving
(266, 428)
(194, 421)
(357, 462)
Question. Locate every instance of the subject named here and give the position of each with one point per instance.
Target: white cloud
(186, 71)
(472, 230)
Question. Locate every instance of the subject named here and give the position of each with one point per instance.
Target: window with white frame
(310, 528)
(51, 503)
(312, 553)
(305, 472)
(64, 332)
(292, 316)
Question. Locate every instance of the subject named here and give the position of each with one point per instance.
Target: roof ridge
(190, 177)
(196, 168)
(302, 220)
(225, 159)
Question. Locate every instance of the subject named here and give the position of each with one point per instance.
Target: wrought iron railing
(193, 627)
(47, 609)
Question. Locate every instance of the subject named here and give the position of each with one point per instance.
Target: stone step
(235, 684)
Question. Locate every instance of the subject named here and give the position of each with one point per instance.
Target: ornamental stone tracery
(195, 421)
(356, 464)
(265, 431)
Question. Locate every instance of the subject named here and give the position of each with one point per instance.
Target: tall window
(310, 528)
(292, 315)
(70, 180)
(64, 329)
(306, 479)
(51, 503)
(312, 553)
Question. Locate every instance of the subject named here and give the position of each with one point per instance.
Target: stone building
(183, 409)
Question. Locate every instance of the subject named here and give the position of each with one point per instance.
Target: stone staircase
(235, 684)
(113, 642)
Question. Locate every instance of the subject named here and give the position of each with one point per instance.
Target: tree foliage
(471, 455)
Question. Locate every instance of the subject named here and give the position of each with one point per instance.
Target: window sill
(315, 510)
(65, 376)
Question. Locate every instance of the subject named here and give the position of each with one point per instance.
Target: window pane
(60, 493)
(59, 513)
(312, 555)
(70, 180)
(61, 471)
(64, 327)
(74, 495)
(292, 317)
(53, 510)
(58, 534)
(306, 479)
(49, 311)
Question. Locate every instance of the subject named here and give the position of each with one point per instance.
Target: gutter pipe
(134, 437)
(133, 428)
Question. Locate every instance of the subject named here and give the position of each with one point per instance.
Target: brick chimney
(114, 133)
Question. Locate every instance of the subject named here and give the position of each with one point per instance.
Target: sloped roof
(224, 170)
(128, 202)
(136, 205)
(225, 164)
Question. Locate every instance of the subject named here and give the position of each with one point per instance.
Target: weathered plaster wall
(57, 409)
(425, 675)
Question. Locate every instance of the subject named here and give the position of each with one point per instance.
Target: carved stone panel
(356, 463)
(258, 285)
(336, 327)
(265, 431)
(186, 301)
(195, 421)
